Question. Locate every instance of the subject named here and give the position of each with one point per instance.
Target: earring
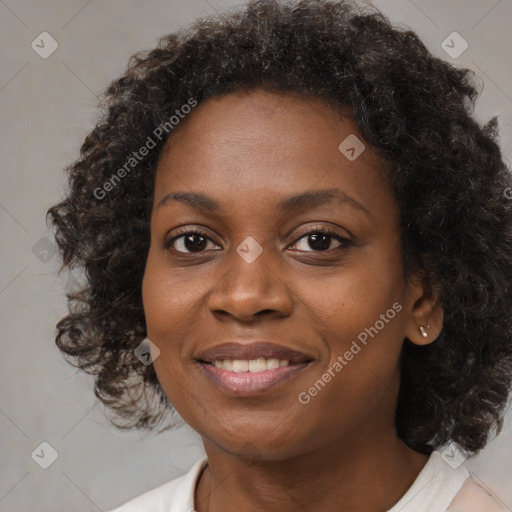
(423, 331)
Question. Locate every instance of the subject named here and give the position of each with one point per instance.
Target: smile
(253, 365)
(242, 377)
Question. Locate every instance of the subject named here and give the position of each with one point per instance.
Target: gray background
(48, 106)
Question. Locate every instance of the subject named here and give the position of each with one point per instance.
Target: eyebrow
(303, 201)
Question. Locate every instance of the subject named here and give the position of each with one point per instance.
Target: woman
(294, 234)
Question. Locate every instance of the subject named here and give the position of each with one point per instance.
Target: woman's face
(261, 175)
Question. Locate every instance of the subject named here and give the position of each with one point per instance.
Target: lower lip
(251, 383)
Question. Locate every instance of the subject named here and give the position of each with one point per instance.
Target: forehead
(257, 116)
(261, 142)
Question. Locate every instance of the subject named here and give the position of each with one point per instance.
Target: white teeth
(257, 365)
(254, 365)
(240, 365)
(272, 364)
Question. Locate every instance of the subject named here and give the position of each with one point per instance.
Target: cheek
(365, 324)
(359, 315)
(172, 307)
(162, 316)
(169, 311)
(360, 378)
(360, 303)
(169, 297)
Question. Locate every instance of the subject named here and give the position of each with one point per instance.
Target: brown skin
(340, 452)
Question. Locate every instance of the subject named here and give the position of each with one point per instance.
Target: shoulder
(154, 500)
(178, 494)
(474, 497)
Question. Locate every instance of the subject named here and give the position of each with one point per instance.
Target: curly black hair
(446, 171)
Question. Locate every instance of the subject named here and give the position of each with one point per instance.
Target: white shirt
(437, 488)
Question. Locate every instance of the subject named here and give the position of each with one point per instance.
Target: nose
(247, 291)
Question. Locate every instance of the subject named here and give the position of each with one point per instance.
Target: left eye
(320, 241)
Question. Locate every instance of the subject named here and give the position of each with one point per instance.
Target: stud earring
(423, 331)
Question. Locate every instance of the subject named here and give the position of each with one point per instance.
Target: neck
(368, 475)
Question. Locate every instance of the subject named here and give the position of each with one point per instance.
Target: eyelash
(345, 243)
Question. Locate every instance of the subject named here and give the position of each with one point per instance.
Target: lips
(251, 351)
(237, 369)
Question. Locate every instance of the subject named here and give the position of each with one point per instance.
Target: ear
(424, 320)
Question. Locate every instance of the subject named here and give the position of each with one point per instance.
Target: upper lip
(252, 350)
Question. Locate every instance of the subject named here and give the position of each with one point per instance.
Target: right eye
(189, 241)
